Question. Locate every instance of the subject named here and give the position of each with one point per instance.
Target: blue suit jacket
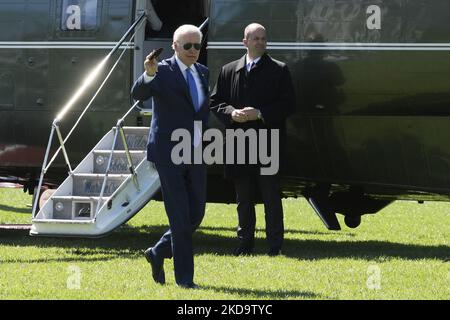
(173, 107)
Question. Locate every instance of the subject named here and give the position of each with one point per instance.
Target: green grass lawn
(400, 253)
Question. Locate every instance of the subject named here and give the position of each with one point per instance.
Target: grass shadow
(14, 209)
(129, 242)
(286, 231)
(126, 242)
(311, 249)
(280, 295)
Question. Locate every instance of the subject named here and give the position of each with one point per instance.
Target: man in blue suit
(179, 87)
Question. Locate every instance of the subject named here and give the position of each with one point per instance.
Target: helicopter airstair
(111, 184)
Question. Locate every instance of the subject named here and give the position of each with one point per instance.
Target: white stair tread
(77, 198)
(134, 128)
(100, 175)
(61, 221)
(120, 151)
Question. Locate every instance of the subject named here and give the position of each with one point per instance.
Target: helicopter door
(164, 17)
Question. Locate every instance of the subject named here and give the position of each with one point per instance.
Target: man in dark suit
(179, 87)
(255, 92)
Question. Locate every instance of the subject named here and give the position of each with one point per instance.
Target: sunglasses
(188, 46)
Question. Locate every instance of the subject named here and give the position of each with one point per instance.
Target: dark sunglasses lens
(188, 46)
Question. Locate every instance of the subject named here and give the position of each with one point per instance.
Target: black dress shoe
(188, 285)
(243, 251)
(157, 266)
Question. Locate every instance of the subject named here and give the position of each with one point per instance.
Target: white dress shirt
(198, 81)
(250, 61)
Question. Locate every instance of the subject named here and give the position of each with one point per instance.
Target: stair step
(90, 185)
(137, 138)
(74, 208)
(143, 130)
(76, 198)
(119, 163)
(60, 221)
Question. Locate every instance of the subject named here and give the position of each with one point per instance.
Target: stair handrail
(56, 122)
(119, 128)
(87, 82)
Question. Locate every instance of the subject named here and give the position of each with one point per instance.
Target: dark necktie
(192, 89)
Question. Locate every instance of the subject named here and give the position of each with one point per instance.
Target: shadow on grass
(14, 209)
(129, 242)
(286, 231)
(265, 293)
(126, 242)
(310, 249)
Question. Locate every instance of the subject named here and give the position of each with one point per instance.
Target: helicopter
(372, 80)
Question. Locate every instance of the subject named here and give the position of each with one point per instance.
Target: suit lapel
(204, 84)
(203, 79)
(241, 64)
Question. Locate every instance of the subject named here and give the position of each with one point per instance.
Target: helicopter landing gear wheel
(352, 221)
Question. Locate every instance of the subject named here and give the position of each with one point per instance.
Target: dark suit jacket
(173, 107)
(267, 87)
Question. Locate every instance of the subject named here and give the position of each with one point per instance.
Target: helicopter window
(162, 22)
(79, 15)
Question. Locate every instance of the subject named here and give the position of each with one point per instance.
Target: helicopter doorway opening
(163, 18)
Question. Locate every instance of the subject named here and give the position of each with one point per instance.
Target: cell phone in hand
(155, 53)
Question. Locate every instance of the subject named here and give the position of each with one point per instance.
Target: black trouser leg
(270, 191)
(246, 211)
(184, 194)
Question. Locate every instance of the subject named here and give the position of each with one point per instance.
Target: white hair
(186, 29)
